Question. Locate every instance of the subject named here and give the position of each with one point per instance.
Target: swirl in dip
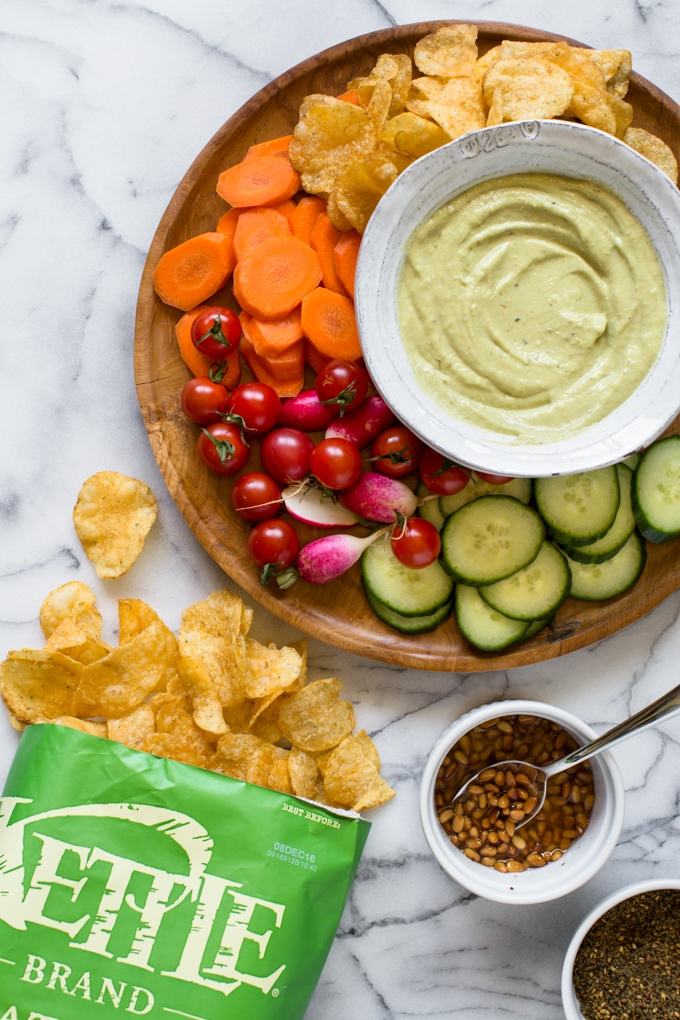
(532, 305)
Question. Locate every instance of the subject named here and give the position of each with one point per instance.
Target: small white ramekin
(536, 885)
(569, 1000)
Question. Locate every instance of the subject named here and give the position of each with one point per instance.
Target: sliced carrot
(315, 359)
(227, 223)
(345, 255)
(307, 211)
(270, 339)
(328, 320)
(350, 97)
(275, 147)
(255, 226)
(324, 239)
(196, 362)
(288, 388)
(275, 277)
(194, 270)
(285, 367)
(260, 180)
(286, 209)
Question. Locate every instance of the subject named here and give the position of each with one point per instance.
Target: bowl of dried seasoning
(623, 963)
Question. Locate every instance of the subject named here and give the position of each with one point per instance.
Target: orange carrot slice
(315, 359)
(260, 180)
(286, 209)
(345, 255)
(287, 366)
(288, 388)
(275, 277)
(196, 362)
(350, 97)
(275, 147)
(255, 226)
(193, 271)
(328, 320)
(324, 239)
(270, 339)
(307, 211)
(227, 223)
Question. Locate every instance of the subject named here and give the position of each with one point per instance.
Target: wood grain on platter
(338, 613)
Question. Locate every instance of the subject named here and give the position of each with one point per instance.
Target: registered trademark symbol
(275, 992)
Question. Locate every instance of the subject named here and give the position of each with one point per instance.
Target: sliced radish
(313, 507)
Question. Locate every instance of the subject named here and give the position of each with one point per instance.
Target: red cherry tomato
(257, 404)
(343, 383)
(255, 496)
(336, 463)
(417, 544)
(273, 542)
(495, 479)
(221, 448)
(440, 475)
(215, 332)
(396, 452)
(204, 401)
(285, 455)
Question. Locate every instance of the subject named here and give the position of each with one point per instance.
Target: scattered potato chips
(450, 52)
(654, 150)
(112, 518)
(39, 685)
(76, 643)
(74, 601)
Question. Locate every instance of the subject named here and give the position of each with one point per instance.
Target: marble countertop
(104, 105)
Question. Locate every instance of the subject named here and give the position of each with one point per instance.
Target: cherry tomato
(215, 332)
(343, 383)
(494, 479)
(440, 475)
(285, 455)
(336, 463)
(257, 404)
(417, 544)
(396, 452)
(255, 496)
(273, 542)
(204, 401)
(221, 448)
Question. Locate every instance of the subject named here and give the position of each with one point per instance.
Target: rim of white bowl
(588, 853)
(569, 1000)
(439, 176)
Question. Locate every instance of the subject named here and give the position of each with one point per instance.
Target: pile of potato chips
(212, 697)
(352, 153)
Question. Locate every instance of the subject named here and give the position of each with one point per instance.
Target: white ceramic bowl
(569, 1000)
(536, 885)
(571, 150)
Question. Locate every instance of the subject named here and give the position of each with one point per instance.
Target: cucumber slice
(536, 627)
(656, 491)
(406, 591)
(535, 591)
(410, 624)
(483, 626)
(489, 539)
(520, 488)
(632, 461)
(430, 511)
(578, 509)
(595, 582)
(620, 531)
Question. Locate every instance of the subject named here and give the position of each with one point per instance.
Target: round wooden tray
(338, 613)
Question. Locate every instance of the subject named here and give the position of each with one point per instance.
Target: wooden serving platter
(338, 613)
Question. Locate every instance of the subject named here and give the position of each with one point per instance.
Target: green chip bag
(133, 885)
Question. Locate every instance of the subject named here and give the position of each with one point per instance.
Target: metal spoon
(666, 707)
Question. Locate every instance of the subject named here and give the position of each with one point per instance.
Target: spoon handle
(651, 715)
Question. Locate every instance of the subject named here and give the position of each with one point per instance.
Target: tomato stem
(225, 449)
(218, 371)
(344, 397)
(395, 457)
(215, 331)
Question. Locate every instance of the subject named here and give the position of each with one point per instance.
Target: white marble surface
(103, 106)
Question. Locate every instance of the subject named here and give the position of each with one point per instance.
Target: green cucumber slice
(595, 582)
(483, 626)
(632, 461)
(620, 531)
(406, 591)
(520, 488)
(489, 539)
(656, 491)
(536, 627)
(536, 591)
(409, 624)
(430, 511)
(578, 509)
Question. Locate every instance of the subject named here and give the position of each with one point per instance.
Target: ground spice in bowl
(628, 965)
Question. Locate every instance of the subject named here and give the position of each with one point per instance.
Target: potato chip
(412, 135)
(335, 215)
(350, 779)
(495, 114)
(590, 101)
(14, 722)
(615, 65)
(74, 601)
(242, 756)
(449, 52)
(368, 747)
(238, 717)
(330, 136)
(172, 716)
(133, 729)
(167, 745)
(112, 518)
(379, 106)
(134, 616)
(264, 722)
(114, 685)
(427, 87)
(361, 186)
(96, 729)
(313, 719)
(484, 62)
(623, 114)
(394, 68)
(459, 107)
(279, 777)
(653, 149)
(270, 669)
(38, 685)
(304, 773)
(511, 49)
(530, 89)
(69, 639)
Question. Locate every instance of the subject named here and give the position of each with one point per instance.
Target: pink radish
(327, 558)
(363, 424)
(313, 507)
(376, 497)
(306, 412)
